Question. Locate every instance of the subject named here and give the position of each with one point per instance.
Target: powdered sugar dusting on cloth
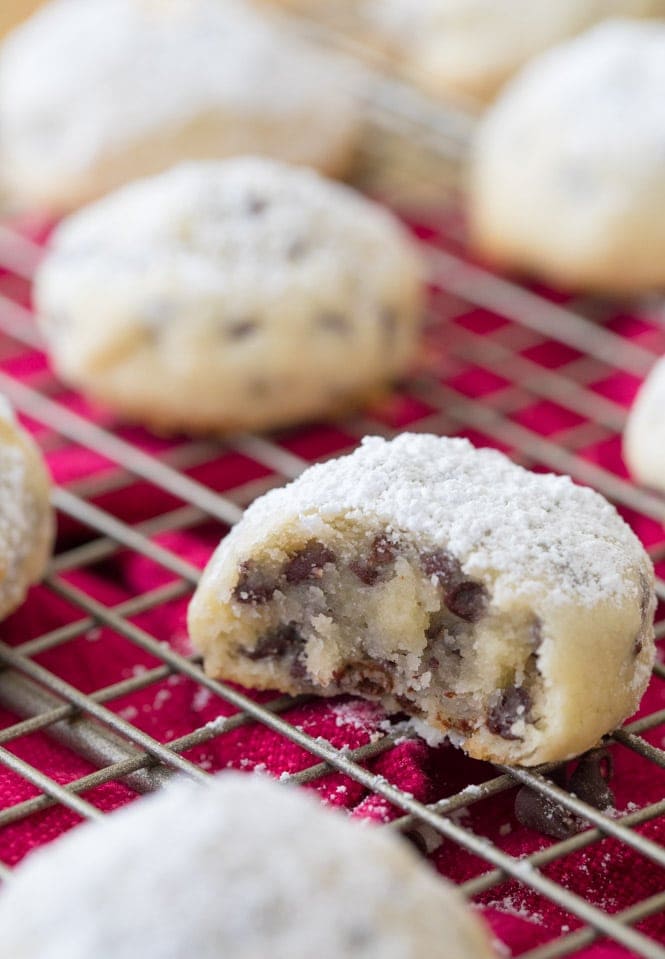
(526, 531)
(186, 873)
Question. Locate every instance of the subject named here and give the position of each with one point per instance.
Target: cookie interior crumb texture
(236, 294)
(511, 610)
(567, 174)
(95, 94)
(241, 868)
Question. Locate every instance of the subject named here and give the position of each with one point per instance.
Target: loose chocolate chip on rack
(367, 678)
(381, 554)
(308, 562)
(254, 585)
(539, 813)
(276, 643)
(590, 780)
(513, 703)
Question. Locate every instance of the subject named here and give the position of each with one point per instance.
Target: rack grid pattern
(490, 375)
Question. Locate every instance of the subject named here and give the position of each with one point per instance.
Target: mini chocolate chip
(241, 329)
(308, 562)
(383, 550)
(334, 323)
(366, 678)
(254, 585)
(276, 643)
(537, 812)
(465, 598)
(468, 601)
(381, 554)
(445, 567)
(589, 781)
(256, 205)
(365, 573)
(514, 703)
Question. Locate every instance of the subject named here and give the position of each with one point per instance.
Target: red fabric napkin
(606, 873)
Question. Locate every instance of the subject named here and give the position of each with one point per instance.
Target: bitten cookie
(26, 518)
(241, 294)
(241, 868)
(468, 47)
(94, 94)
(567, 177)
(511, 610)
(644, 435)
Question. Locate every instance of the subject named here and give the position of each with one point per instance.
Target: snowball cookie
(644, 435)
(511, 610)
(470, 47)
(568, 174)
(230, 295)
(242, 868)
(93, 94)
(26, 518)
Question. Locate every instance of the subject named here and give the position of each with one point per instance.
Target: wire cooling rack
(489, 374)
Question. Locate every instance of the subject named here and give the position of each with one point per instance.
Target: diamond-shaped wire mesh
(540, 375)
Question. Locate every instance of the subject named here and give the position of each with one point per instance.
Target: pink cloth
(607, 873)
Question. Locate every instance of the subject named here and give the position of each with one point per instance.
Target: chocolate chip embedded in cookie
(510, 610)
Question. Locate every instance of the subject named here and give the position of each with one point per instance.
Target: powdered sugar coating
(523, 529)
(242, 868)
(229, 295)
(567, 175)
(93, 94)
(26, 520)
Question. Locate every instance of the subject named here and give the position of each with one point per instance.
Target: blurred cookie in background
(644, 435)
(228, 295)
(94, 94)
(466, 48)
(568, 170)
(239, 868)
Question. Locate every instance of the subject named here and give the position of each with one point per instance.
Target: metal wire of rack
(478, 322)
